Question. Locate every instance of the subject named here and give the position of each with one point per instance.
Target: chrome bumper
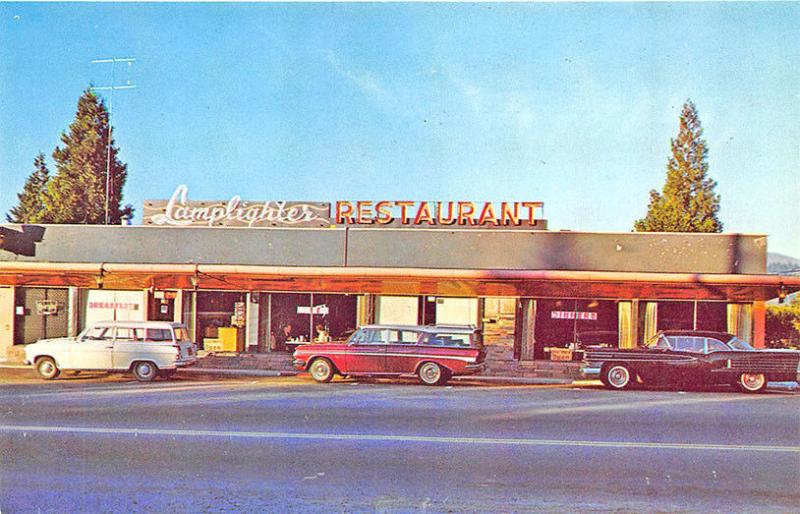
(590, 371)
(472, 369)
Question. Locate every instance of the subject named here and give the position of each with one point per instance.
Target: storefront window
(675, 316)
(334, 316)
(221, 310)
(712, 316)
(302, 317)
(499, 320)
(290, 315)
(561, 323)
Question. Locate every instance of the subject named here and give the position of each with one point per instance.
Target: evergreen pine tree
(77, 192)
(688, 202)
(30, 205)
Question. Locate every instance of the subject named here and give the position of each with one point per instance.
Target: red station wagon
(434, 353)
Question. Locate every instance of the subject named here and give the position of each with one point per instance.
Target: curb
(238, 372)
(514, 380)
(467, 378)
(274, 373)
(771, 386)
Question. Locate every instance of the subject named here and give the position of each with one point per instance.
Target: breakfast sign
(179, 211)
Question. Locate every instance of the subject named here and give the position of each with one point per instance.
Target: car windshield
(659, 341)
(97, 333)
(738, 344)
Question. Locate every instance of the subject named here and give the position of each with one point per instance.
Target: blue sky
(570, 104)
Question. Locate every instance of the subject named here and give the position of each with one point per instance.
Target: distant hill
(778, 264)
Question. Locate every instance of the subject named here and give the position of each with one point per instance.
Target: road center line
(229, 434)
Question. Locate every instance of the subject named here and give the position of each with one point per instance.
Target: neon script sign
(179, 211)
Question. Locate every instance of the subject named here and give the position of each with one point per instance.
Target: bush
(783, 325)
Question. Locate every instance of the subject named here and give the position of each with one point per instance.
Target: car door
(402, 352)
(687, 368)
(653, 365)
(366, 352)
(716, 369)
(93, 350)
(127, 346)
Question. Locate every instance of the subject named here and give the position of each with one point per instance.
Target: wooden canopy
(402, 281)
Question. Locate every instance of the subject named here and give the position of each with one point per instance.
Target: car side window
(100, 334)
(370, 336)
(432, 340)
(668, 342)
(409, 337)
(158, 334)
(126, 334)
(690, 344)
(713, 345)
(404, 337)
(455, 339)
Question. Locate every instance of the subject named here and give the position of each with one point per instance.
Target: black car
(691, 357)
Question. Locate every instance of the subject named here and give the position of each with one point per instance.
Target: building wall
(387, 248)
(105, 305)
(398, 310)
(457, 311)
(6, 320)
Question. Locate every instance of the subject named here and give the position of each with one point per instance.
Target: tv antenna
(113, 87)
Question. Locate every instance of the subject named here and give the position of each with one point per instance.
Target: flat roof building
(238, 288)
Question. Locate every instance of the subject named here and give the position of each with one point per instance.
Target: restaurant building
(261, 278)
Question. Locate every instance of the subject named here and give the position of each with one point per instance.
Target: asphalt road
(288, 445)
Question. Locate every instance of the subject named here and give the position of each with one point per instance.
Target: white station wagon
(145, 348)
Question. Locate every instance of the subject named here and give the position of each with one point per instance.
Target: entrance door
(45, 314)
(162, 306)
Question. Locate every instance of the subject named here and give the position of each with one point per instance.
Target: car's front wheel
(47, 369)
(145, 371)
(432, 374)
(617, 376)
(752, 382)
(321, 370)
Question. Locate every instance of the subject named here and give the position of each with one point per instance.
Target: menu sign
(179, 211)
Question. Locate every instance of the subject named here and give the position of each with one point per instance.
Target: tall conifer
(77, 192)
(688, 202)
(30, 204)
